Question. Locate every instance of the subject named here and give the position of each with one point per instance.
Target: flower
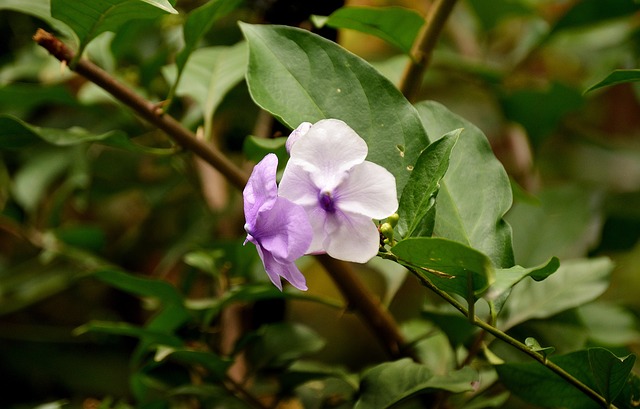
(340, 191)
(279, 228)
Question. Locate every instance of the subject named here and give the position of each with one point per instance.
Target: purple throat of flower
(326, 202)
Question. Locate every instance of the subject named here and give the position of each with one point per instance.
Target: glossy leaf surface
(610, 372)
(90, 18)
(617, 77)
(418, 196)
(390, 383)
(198, 22)
(475, 192)
(538, 385)
(506, 278)
(396, 25)
(16, 134)
(447, 264)
(298, 76)
(575, 283)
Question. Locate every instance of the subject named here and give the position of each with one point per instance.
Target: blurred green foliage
(114, 241)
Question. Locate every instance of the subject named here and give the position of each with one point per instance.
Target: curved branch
(144, 108)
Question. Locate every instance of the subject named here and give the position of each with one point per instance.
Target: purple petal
(284, 231)
(261, 191)
(288, 270)
(369, 190)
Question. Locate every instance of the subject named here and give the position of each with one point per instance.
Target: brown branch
(370, 310)
(144, 108)
(423, 47)
(375, 316)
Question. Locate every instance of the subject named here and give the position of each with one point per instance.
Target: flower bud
(387, 231)
(393, 219)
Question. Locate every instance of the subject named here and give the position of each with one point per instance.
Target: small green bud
(387, 230)
(393, 219)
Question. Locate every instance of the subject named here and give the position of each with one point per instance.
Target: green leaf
(506, 278)
(40, 9)
(540, 386)
(209, 75)
(21, 97)
(122, 328)
(534, 345)
(85, 237)
(617, 77)
(454, 325)
(17, 134)
(591, 12)
(280, 344)
(31, 282)
(566, 224)
(475, 192)
(204, 260)
(392, 382)
(301, 372)
(575, 283)
(215, 364)
(628, 398)
(252, 293)
(90, 18)
(609, 371)
(447, 264)
(257, 148)
(199, 21)
(33, 180)
(298, 76)
(142, 287)
(609, 324)
(500, 10)
(419, 193)
(397, 25)
(553, 103)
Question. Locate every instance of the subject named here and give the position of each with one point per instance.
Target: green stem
(423, 47)
(513, 342)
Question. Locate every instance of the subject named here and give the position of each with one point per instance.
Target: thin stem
(371, 312)
(513, 342)
(423, 47)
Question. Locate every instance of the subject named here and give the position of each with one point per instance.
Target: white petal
(297, 186)
(301, 130)
(351, 237)
(328, 150)
(369, 190)
(318, 219)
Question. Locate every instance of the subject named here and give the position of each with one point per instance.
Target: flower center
(326, 202)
